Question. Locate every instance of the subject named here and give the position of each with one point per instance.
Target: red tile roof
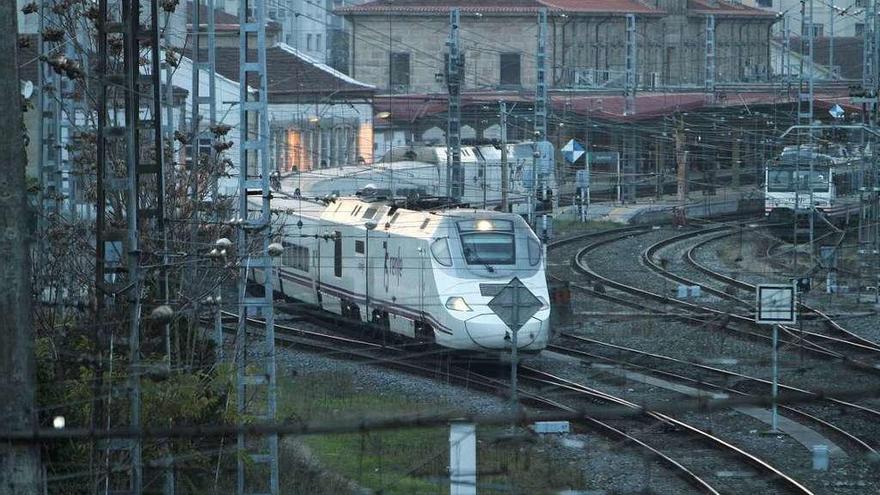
(405, 7)
(291, 73)
(409, 108)
(726, 9)
(223, 21)
(603, 6)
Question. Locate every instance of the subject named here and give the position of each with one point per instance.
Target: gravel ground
(860, 318)
(851, 475)
(687, 342)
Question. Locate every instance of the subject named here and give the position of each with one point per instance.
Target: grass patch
(410, 461)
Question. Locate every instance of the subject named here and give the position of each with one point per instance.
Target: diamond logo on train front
(515, 304)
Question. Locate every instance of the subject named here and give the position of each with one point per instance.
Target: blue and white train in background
(425, 275)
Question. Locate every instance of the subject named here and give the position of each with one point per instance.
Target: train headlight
(484, 225)
(457, 304)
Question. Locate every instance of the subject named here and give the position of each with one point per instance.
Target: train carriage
(427, 275)
(805, 181)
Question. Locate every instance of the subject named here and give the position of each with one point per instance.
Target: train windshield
(488, 242)
(788, 180)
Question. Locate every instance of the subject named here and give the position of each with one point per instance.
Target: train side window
(425, 224)
(296, 257)
(337, 254)
(359, 247)
(370, 213)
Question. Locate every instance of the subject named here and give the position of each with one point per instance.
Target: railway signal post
(515, 304)
(776, 305)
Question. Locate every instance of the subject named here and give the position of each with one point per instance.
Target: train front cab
(474, 259)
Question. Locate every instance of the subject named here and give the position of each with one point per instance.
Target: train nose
(489, 332)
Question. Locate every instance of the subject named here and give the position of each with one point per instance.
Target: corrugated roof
(726, 9)
(292, 73)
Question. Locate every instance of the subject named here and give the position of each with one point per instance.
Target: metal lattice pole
(868, 62)
(629, 89)
(119, 253)
(541, 78)
(455, 173)
(541, 103)
(710, 58)
(203, 61)
(253, 251)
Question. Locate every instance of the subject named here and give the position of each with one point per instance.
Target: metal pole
(589, 179)
(541, 78)
(255, 233)
(774, 417)
(505, 167)
(832, 10)
(514, 359)
(20, 470)
(455, 184)
(630, 66)
(619, 192)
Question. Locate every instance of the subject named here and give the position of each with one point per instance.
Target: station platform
(667, 208)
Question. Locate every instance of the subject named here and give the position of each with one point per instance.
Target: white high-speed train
(426, 275)
(422, 170)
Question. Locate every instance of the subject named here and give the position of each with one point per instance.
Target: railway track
(840, 418)
(729, 450)
(402, 358)
(677, 370)
(830, 324)
(853, 353)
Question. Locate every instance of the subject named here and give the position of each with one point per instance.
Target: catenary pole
(19, 463)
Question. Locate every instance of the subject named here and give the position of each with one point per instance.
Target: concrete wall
(424, 38)
(583, 51)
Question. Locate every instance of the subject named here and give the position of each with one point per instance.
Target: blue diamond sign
(572, 151)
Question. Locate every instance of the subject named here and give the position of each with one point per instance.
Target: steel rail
(648, 260)
(857, 340)
(322, 341)
(758, 463)
(580, 266)
(699, 383)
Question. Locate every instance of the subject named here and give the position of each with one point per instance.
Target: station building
(398, 45)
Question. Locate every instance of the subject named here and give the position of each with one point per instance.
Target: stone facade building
(399, 45)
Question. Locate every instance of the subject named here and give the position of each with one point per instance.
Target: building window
(860, 29)
(510, 69)
(859, 4)
(318, 42)
(818, 30)
(309, 42)
(765, 3)
(399, 70)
